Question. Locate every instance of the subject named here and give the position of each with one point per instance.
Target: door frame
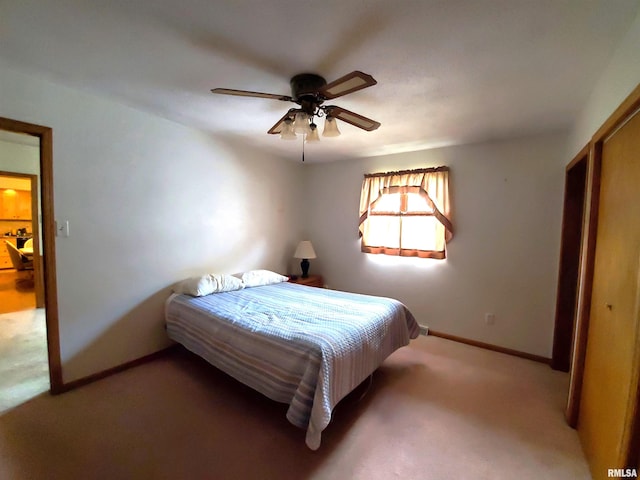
(632, 432)
(45, 134)
(573, 219)
(37, 258)
(585, 285)
(35, 228)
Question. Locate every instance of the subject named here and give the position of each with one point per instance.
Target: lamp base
(304, 265)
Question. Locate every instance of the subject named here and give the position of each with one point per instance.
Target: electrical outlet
(489, 318)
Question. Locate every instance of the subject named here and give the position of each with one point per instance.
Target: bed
(304, 346)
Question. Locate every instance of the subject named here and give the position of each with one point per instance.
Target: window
(406, 213)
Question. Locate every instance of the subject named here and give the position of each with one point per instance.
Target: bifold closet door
(609, 393)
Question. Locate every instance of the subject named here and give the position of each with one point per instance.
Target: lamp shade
(301, 123)
(312, 136)
(305, 250)
(330, 127)
(287, 132)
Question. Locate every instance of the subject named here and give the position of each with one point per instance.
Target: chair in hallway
(20, 262)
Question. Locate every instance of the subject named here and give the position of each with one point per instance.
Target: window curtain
(432, 184)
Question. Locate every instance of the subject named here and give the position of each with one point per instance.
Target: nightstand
(311, 281)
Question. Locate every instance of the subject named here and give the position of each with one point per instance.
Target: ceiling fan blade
(353, 118)
(246, 93)
(277, 128)
(351, 82)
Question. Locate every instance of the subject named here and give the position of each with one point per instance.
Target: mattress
(304, 346)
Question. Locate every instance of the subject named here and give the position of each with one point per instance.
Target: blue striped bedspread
(304, 346)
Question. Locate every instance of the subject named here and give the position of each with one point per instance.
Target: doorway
(24, 371)
(573, 219)
(21, 281)
(26, 326)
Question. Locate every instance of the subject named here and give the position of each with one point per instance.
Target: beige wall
(149, 202)
(19, 155)
(506, 198)
(19, 158)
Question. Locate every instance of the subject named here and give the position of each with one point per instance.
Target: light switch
(62, 228)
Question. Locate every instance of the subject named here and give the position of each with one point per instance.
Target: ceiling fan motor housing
(305, 86)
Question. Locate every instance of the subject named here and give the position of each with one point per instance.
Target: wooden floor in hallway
(16, 291)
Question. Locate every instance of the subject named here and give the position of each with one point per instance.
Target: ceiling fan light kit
(301, 123)
(330, 127)
(287, 130)
(312, 136)
(310, 91)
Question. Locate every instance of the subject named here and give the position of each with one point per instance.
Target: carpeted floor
(24, 368)
(435, 410)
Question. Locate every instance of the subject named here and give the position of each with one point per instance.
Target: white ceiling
(448, 72)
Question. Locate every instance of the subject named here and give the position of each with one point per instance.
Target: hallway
(16, 292)
(24, 369)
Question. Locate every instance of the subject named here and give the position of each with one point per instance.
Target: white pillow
(225, 283)
(256, 278)
(208, 284)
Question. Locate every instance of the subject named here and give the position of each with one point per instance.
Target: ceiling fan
(310, 91)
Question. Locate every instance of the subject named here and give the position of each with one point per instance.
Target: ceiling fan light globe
(312, 136)
(288, 135)
(287, 132)
(301, 123)
(330, 127)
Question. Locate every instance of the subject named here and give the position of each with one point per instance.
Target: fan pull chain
(302, 147)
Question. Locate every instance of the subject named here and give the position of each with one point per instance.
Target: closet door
(609, 392)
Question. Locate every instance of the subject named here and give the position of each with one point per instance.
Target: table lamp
(305, 251)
